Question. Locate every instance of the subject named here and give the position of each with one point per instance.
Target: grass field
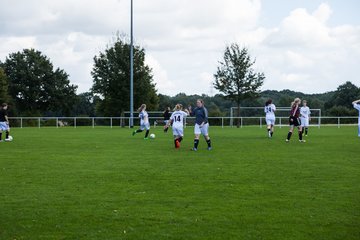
(103, 183)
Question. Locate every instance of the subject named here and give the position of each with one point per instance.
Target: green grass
(103, 183)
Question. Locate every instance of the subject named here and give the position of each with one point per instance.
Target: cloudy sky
(305, 45)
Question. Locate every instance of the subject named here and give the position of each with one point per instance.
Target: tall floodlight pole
(131, 69)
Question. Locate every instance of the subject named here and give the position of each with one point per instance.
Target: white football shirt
(144, 117)
(177, 118)
(270, 110)
(305, 112)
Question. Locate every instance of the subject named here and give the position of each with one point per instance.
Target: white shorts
(270, 121)
(178, 131)
(204, 130)
(4, 126)
(145, 126)
(304, 122)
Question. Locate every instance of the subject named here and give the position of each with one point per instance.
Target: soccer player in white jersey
(270, 117)
(356, 105)
(177, 121)
(305, 117)
(144, 121)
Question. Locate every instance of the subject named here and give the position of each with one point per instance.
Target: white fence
(111, 122)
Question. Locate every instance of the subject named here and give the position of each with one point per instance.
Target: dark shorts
(294, 121)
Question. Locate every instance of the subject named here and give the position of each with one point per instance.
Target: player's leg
(147, 127)
(290, 133)
(291, 123)
(176, 141)
(165, 126)
(302, 125)
(306, 126)
(299, 124)
(272, 124)
(139, 130)
(197, 133)
(7, 132)
(205, 133)
(176, 137)
(300, 128)
(180, 132)
(3, 127)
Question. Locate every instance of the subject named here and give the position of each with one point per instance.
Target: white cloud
(185, 39)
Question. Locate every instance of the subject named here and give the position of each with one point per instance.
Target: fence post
(260, 122)
(21, 122)
(338, 122)
(39, 122)
(57, 122)
(74, 122)
(93, 122)
(222, 122)
(319, 121)
(241, 121)
(111, 122)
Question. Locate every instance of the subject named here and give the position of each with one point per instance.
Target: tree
(35, 86)
(4, 94)
(111, 79)
(344, 95)
(85, 105)
(236, 78)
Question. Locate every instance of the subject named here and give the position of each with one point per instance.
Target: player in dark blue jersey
(201, 124)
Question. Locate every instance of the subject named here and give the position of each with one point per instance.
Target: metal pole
(131, 69)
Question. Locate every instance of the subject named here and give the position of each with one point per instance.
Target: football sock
(139, 130)
(0, 135)
(180, 139)
(271, 133)
(208, 142)
(306, 131)
(300, 135)
(196, 143)
(175, 142)
(289, 135)
(147, 133)
(7, 134)
(303, 129)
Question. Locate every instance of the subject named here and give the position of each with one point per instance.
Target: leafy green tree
(4, 94)
(35, 86)
(344, 95)
(111, 79)
(85, 105)
(236, 78)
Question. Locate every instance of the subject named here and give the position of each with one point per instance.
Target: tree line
(34, 87)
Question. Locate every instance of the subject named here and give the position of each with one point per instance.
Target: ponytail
(142, 107)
